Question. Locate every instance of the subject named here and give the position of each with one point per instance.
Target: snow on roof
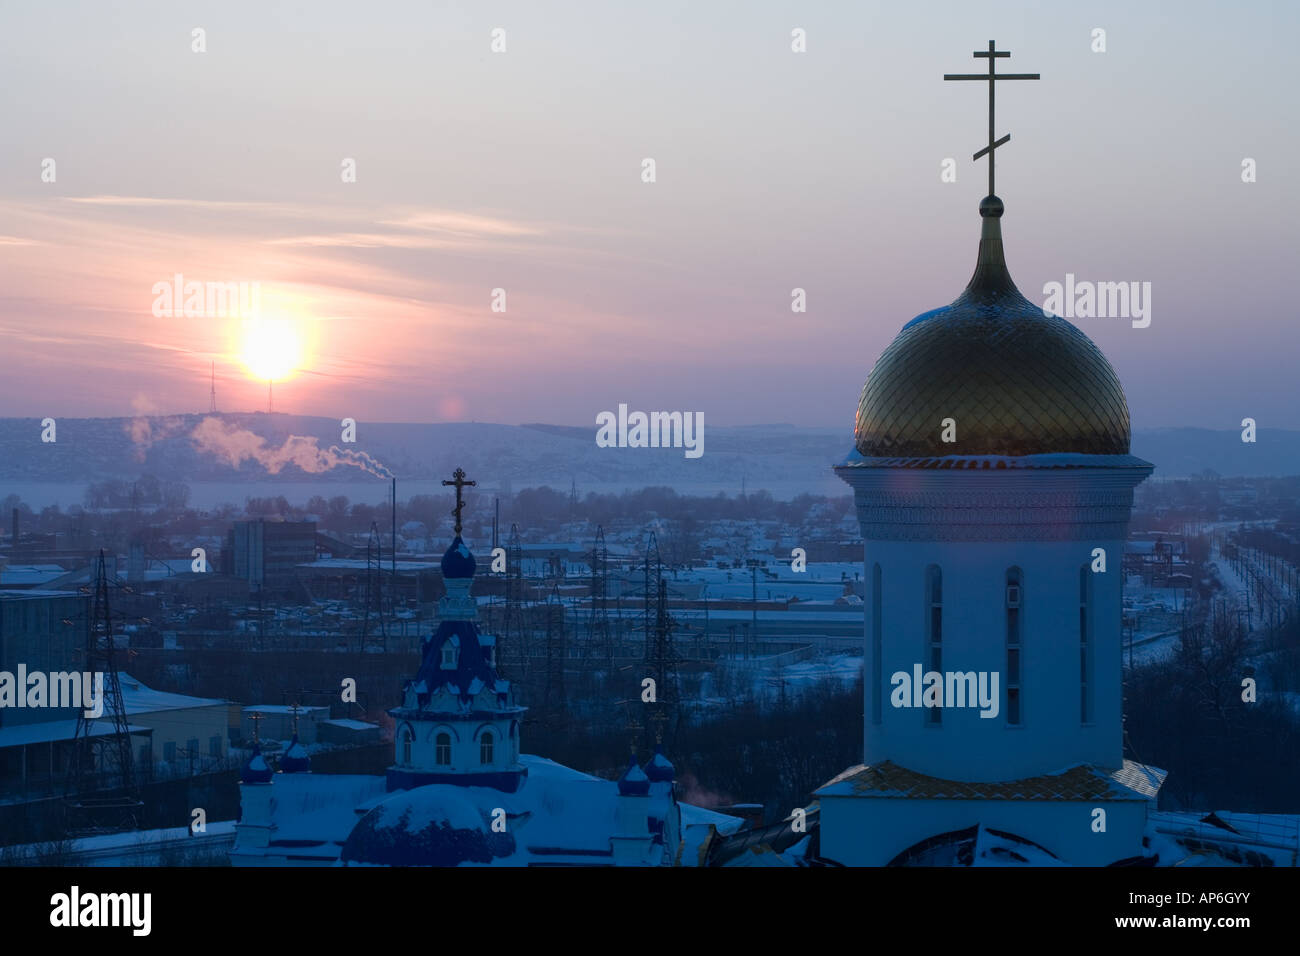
(725, 823)
(413, 810)
(539, 767)
(34, 594)
(558, 815)
(761, 856)
(322, 807)
(52, 730)
(564, 813)
(139, 699)
(1195, 838)
(698, 830)
(283, 709)
(133, 839)
(15, 575)
(359, 564)
(349, 724)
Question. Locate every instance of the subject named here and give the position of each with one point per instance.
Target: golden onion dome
(1014, 381)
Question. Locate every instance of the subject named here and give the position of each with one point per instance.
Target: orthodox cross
(634, 726)
(256, 718)
(991, 76)
(659, 717)
(294, 711)
(458, 479)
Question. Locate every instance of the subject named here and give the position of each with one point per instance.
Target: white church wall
(1051, 734)
(256, 802)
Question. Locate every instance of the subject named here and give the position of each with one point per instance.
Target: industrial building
(265, 553)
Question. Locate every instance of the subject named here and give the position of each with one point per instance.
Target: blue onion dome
(295, 759)
(458, 562)
(634, 782)
(255, 769)
(660, 769)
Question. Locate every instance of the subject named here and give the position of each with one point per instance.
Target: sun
(272, 349)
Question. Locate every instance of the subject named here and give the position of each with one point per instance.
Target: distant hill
(257, 446)
(1178, 452)
(248, 447)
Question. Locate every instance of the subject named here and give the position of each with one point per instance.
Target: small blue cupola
(634, 782)
(255, 769)
(660, 769)
(458, 563)
(295, 759)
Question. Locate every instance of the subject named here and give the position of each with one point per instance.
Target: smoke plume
(235, 445)
(700, 796)
(147, 428)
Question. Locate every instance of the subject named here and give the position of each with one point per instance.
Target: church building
(993, 485)
(459, 791)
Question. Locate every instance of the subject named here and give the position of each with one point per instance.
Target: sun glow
(272, 349)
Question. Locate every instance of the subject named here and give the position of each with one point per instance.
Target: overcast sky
(522, 170)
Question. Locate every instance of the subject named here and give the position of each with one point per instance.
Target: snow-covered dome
(634, 782)
(255, 769)
(660, 769)
(458, 562)
(1015, 381)
(295, 758)
(437, 825)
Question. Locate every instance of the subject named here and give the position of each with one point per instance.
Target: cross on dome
(991, 77)
(458, 479)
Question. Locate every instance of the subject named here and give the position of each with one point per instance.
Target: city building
(265, 553)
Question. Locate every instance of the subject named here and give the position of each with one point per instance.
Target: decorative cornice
(413, 713)
(1004, 505)
(457, 608)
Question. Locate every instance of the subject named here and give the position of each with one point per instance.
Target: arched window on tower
(877, 678)
(407, 737)
(442, 750)
(1085, 645)
(1015, 628)
(934, 630)
(485, 747)
(448, 655)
